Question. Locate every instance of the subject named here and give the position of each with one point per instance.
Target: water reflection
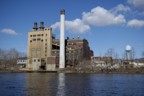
(61, 85)
(40, 84)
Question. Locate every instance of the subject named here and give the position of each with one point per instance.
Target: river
(60, 84)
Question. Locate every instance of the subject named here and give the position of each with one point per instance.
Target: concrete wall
(36, 64)
(50, 67)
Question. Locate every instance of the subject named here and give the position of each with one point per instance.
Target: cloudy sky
(104, 23)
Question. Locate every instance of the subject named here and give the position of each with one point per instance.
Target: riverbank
(72, 70)
(109, 71)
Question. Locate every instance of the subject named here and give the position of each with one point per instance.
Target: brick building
(77, 50)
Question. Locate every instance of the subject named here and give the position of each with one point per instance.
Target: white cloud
(120, 8)
(137, 3)
(97, 17)
(136, 23)
(75, 26)
(101, 17)
(56, 25)
(9, 31)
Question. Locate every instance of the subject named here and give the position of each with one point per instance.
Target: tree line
(8, 58)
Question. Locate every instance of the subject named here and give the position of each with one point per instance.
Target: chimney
(35, 26)
(62, 39)
(41, 25)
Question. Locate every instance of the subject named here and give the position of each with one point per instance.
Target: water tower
(128, 52)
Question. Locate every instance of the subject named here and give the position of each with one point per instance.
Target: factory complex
(45, 52)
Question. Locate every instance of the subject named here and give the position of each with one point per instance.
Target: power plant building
(39, 46)
(44, 49)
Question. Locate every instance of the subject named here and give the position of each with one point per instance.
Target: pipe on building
(35, 26)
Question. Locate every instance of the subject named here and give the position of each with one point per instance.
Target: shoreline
(117, 71)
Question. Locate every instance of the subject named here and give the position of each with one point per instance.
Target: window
(45, 47)
(34, 39)
(30, 35)
(45, 43)
(45, 39)
(34, 35)
(42, 40)
(38, 60)
(41, 34)
(46, 34)
(38, 34)
(38, 39)
(34, 60)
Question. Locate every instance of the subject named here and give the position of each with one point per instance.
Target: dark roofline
(22, 58)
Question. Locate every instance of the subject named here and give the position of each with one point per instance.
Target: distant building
(102, 62)
(21, 62)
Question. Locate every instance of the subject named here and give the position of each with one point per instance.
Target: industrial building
(47, 53)
(21, 62)
(77, 50)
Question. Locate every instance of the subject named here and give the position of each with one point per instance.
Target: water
(54, 84)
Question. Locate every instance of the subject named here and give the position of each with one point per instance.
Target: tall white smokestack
(62, 40)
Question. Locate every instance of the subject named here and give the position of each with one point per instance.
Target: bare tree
(110, 52)
(8, 58)
(116, 55)
(133, 54)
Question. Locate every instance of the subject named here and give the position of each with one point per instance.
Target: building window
(45, 47)
(45, 39)
(30, 41)
(30, 35)
(34, 35)
(46, 34)
(46, 44)
(38, 60)
(41, 34)
(34, 39)
(38, 34)
(45, 54)
(38, 39)
(34, 60)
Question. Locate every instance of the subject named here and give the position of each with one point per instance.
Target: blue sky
(104, 23)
